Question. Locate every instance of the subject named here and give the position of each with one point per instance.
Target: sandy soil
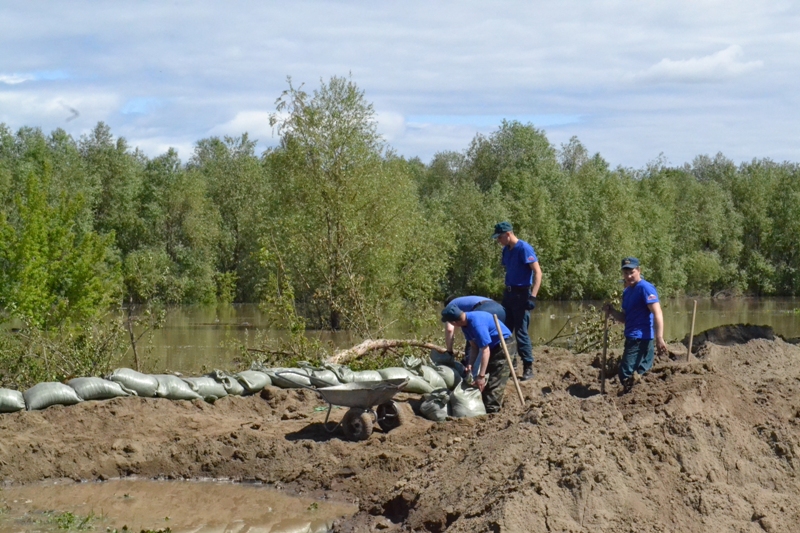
(707, 446)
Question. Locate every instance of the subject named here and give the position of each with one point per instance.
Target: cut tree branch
(343, 356)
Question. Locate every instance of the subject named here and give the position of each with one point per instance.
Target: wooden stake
(508, 359)
(691, 333)
(603, 362)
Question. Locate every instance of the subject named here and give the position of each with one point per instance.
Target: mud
(711, 445)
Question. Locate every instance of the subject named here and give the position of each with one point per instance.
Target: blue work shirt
(481, 329)
(517, 262)
(638, 318)
(468, 303)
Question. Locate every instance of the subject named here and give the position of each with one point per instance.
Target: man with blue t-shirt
(471, 303)
(644, 323)
(486, 357)
(523, 279)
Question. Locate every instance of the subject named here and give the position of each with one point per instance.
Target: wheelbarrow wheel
(393, 414)
(357, 424)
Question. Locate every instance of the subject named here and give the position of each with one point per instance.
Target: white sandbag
(417, 385)
(207, 387)
(174, 388)
(466, 401)
(417, 366)
(367, 375)
(343, 373)
(289, 378)
(253, 381)
(449, 375)
(91, 388)
(44, 395)
(319, 376)
(229, 381)
(435, 405)
(143, 385)
(394, 372)
(11, 401)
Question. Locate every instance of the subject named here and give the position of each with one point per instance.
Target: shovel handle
(508, 359)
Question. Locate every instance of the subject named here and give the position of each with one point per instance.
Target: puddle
(181, 506)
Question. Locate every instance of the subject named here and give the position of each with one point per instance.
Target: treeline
(335, 229)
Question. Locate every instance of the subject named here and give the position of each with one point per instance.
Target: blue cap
(502, 227)
(630, 262)
(451, 313)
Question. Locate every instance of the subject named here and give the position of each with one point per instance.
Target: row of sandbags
(424, 376)
(463, 401)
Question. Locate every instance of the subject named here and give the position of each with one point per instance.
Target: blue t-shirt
(481, 328)
(517, 262)
(638, 318)
(468, 303)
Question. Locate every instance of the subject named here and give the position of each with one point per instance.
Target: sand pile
(712, 445)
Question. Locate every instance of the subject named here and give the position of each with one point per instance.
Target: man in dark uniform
(487, 362)
(523, 279)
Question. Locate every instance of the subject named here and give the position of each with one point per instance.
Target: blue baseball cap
(451, 313)
(502, 227)
(630, 262)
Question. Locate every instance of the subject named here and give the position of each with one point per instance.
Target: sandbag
(92, 388)
(207, 387)
(417, 366)
(291, 378)
(343, 373)
(174, 388)
(253, 381)
(449, 375)
(143, 385)
(417, 385)
(394, 372)
(441, 358)
(466, 401)
(319, 376)
(367, 375)
(435, 405)
(229, 381)
(11, 401)
(44, 395)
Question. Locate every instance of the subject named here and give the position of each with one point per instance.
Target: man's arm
(449, 335)
(537, 278)
(619, 316)
(480, 380)
(658, 327)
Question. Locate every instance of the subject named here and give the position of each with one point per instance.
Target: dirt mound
(712, 445)
(729, 335)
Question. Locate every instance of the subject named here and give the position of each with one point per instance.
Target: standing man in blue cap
(523, 279)
(644, 323)
(487, 362)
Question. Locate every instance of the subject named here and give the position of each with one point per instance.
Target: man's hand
(661, 347)
(480, 383)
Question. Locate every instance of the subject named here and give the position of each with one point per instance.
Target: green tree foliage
(345, 219)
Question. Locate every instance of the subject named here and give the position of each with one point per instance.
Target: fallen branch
(367, 346)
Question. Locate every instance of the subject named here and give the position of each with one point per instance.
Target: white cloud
(717, 66)
(391, 125)
(14, 79)
(254, 123)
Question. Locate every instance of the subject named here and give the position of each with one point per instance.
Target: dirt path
(708, 446)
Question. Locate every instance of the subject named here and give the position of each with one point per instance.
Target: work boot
(527, 373)
(514, 364)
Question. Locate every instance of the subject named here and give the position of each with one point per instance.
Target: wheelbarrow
(369, 402)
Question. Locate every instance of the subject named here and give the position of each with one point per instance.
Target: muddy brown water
(181, 506)
(197, 338)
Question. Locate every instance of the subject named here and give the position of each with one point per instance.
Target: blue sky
(631, 79)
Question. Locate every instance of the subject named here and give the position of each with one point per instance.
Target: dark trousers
(493, 308)
(518, 319)
(498, 372)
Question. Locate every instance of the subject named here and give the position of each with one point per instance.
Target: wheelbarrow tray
(362, 394)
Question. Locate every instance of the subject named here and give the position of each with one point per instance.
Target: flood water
(181, 506)
(195, 339)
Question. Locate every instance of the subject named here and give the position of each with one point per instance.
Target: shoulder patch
(651, 296)
(530, 258)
